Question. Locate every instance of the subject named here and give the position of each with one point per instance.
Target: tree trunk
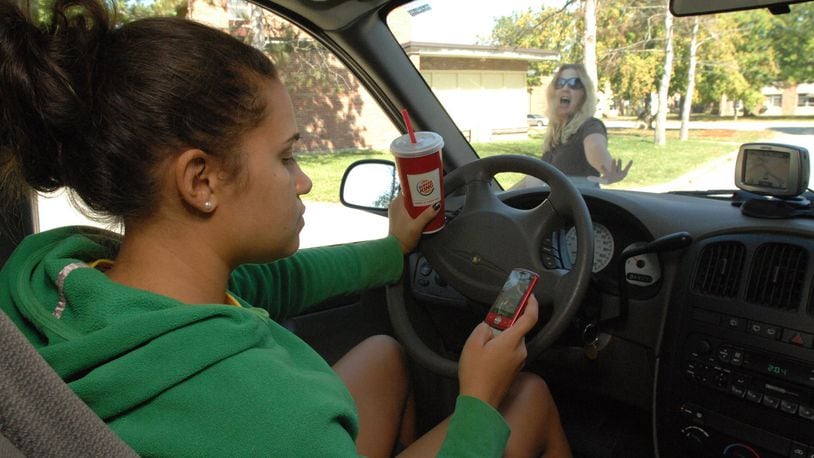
(259, 36)
(685, 111)
(664, 86)
(589, 41)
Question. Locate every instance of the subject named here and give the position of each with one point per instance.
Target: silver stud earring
(207, 205)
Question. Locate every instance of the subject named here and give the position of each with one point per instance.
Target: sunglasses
(573, 83)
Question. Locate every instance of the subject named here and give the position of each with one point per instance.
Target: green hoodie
(174, 379)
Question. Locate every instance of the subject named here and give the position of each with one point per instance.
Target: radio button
(738, 391)
(737, 358)
(735, 323)
(770, 332)
(754, 396)
(771, 401)
(755, 328)
(788, 406)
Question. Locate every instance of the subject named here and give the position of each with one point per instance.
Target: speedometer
(603, 246)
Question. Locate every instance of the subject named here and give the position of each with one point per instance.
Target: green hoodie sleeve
(289, 286)
(476, 430)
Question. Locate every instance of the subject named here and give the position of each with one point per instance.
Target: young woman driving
(171, 333)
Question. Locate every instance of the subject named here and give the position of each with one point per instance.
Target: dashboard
(717, 341)
(616, 232)
(738, 367)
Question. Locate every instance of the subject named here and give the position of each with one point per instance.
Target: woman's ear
(196, 180)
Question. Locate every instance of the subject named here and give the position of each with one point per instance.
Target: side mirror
(369, 184)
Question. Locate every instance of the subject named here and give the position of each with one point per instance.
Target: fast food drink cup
(421, 174)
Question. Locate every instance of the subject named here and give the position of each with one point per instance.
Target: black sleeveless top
(569, 157)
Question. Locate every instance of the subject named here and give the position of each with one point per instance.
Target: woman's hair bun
(46, 87)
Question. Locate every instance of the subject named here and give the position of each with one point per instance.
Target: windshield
(497, 69)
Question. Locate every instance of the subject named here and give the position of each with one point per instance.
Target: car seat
(39, 414)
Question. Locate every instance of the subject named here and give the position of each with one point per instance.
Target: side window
(338, 119)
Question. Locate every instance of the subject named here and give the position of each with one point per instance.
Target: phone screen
(512, 298)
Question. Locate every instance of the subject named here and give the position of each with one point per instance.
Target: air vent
(776, 279)
(719, 269)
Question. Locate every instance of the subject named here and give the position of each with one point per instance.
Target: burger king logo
(425, 187)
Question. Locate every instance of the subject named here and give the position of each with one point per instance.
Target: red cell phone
(512, 299)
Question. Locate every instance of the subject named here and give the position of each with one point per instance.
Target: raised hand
(616, 173)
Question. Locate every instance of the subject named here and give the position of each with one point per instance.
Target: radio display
(774, 369)
(780, 368)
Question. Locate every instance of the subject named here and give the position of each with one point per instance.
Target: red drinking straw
(408, 124)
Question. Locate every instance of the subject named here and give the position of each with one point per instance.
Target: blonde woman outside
(575, 141)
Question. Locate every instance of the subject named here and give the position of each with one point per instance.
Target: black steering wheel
(478, 247)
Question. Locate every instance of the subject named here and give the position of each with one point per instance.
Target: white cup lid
(426, 143)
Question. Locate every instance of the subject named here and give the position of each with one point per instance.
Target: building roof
(478, 51)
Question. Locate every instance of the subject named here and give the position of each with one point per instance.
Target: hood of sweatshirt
(139, 359)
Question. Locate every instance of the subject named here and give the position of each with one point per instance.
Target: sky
(462, 21)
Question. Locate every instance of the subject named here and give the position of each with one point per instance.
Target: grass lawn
(651, 164)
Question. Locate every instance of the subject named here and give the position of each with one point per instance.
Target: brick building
(794, 100)
(335, 112)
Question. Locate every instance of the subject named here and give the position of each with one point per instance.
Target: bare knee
(385, 355)
(532, 415)
(383, 346)
(382, 341)
(527, 391)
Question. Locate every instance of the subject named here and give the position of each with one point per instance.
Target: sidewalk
(718, 174)
(325, 223)
(331, 223)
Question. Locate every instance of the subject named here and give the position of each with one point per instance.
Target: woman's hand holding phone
(490, 363)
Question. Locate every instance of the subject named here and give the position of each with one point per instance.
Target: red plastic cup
(421, 174)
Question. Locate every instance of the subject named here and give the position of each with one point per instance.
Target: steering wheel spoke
(480, 197)
(542, 220)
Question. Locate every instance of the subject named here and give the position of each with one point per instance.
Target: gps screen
(767, 169)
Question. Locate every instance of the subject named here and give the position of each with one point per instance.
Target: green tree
(635, 77)
(130, 10)
(737, 53)
(735, 59)
(792, 37)
(548, 28)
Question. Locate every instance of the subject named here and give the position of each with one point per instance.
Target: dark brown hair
(95, 108)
